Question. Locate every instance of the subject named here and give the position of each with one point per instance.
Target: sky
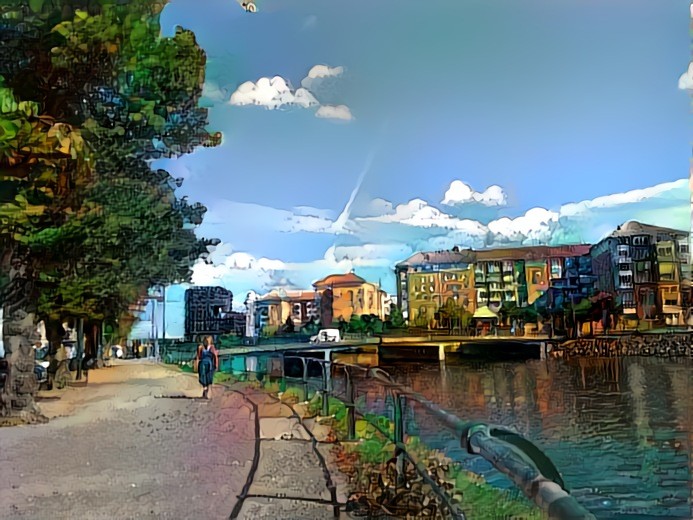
(357, 133)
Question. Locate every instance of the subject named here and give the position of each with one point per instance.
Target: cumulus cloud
(535, 225)
(341, 112)
(272, 94)
(277, 92)
(461, 193)
(319, 72)
(419, 213)
(686, 79)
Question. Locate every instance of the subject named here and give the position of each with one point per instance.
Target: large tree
(101, 68)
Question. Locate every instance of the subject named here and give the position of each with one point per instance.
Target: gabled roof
(463, 256)
(339, 280)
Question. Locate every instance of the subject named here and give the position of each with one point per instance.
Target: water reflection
(619, 430)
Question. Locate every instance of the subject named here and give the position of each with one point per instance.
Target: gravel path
(124, 447)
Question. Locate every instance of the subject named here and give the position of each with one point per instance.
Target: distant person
(207, 363)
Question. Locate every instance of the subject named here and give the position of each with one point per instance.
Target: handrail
(526, 465)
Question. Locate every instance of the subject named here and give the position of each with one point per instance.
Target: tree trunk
(19, 335)
(80, 347)
(54, 334)
(19, 330)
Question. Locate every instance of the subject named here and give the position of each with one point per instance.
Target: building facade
(647, 269)
(428, 281)
(207, 312)
(348, 295)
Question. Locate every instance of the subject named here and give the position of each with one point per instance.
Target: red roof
(339, 280)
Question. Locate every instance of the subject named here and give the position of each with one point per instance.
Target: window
(670, 296)
(625, 280)
(624, 266)
(508, 266)
(628, 300)
(536, 277)
(556, 268)
(683, 248)
(641, 241)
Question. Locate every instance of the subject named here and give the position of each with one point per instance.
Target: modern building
(207, 312)
(345, 295)
(646, 268)
(427, 281)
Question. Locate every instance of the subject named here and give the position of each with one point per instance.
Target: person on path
(207, 363)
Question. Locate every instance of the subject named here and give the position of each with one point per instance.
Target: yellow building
(345, 295)
(433, 291)
(431, 282)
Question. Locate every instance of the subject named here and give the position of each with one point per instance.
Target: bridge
(416, 348)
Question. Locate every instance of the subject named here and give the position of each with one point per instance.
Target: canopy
(485, 312)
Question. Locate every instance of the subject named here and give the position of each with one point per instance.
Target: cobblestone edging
(662, 345)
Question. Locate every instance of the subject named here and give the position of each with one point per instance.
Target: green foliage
(97, 229)
(396, 320)
(356, 324)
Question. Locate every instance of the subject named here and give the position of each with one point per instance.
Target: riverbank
(660, 345)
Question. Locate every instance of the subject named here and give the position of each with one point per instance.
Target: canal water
(619, 430)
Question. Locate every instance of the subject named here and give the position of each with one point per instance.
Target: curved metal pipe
(510, 453)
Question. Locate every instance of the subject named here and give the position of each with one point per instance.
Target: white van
(327, 336)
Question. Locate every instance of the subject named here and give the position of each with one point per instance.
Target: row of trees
(90, 95)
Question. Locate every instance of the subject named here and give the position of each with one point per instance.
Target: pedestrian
(207, 363)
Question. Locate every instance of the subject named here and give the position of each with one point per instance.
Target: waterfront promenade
(138, 443)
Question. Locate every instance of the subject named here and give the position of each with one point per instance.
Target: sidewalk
(136, 442)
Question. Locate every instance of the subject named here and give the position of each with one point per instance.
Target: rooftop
(633, 227)
(339, 279)
(532, 252)
(452, 257)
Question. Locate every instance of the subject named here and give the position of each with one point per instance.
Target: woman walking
(207, 363)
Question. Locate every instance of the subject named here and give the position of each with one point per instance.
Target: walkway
(291, 478)
(138, 443)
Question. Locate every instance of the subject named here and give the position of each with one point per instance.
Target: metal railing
(507, 451)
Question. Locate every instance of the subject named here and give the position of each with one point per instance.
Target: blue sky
(554, 103)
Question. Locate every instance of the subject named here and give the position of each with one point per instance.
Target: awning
(485, 312)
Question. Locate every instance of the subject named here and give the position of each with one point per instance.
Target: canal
(619, 430)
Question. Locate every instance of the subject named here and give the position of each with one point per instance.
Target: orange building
(346, 295)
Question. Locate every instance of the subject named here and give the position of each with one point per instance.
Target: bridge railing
(511, 454)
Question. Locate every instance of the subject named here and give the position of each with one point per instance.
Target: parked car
(40, 370)
(327, 336)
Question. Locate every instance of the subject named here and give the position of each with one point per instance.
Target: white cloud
(341, 112)
(618, 199)
(686, 79)
(460, 193)
(419, 213)
(302, 219)
(324, 71)
(319, 76)
(212, 91)
(537, 224)
(272, 94)
(371, 255)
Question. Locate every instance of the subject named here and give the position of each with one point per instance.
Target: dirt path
(123, 448)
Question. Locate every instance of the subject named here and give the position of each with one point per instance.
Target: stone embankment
(659, 345)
